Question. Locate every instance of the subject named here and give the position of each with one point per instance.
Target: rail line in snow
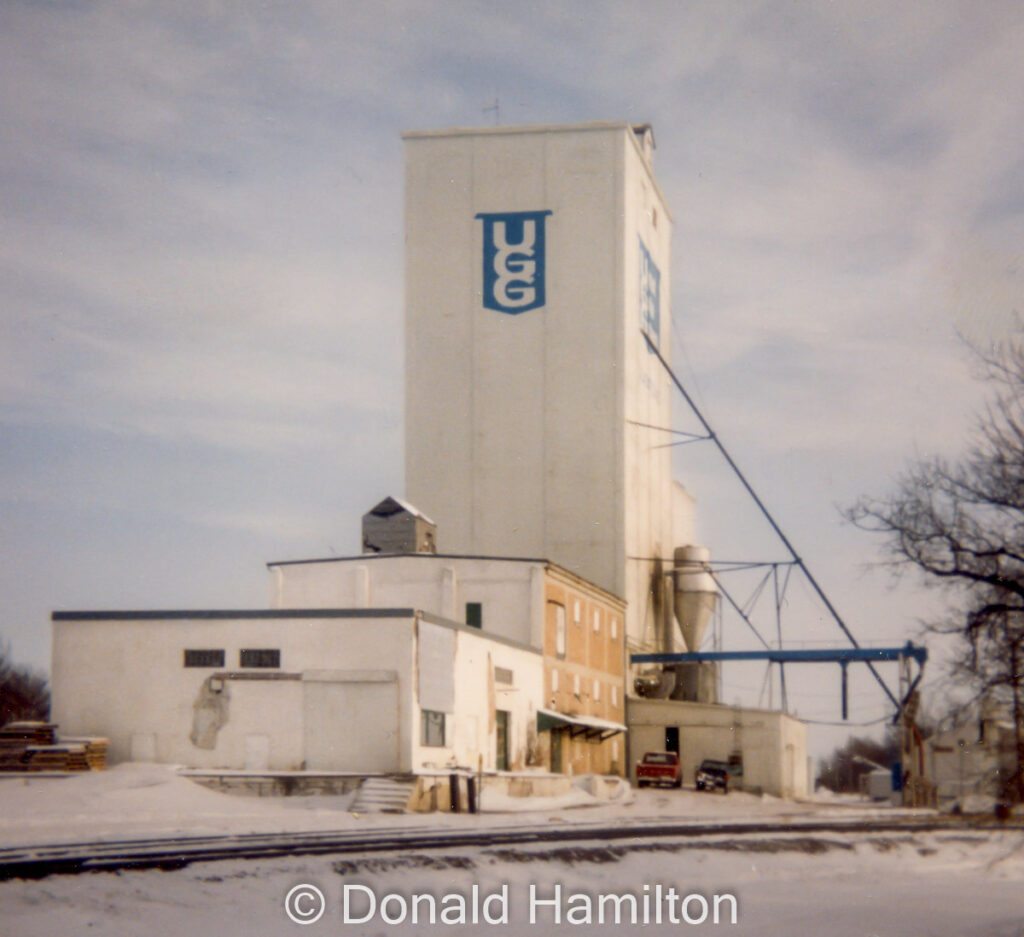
(177, 852)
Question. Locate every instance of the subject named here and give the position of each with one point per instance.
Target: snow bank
(131, 800)
(135, 801)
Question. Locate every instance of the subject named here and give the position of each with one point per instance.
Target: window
(554, 681)
(474, 614)
(432, 729)
(503, 675)
(576, 612)
(615, 628)
(597, 621)
(259, 657)
(559, 614)
(576, 684)
(204, 657)
(658, 758)
(615, 695)
(597, 691)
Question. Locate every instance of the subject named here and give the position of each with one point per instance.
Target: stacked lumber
(32, 733)
(12, 757)
(17, 737)
(53, 758)
(35, 746)
(95, 751)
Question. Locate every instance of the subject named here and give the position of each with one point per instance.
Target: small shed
(395, 526)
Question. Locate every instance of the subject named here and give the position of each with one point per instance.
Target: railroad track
(178, 852)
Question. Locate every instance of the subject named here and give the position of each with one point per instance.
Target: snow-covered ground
(963, 884)
(138, 800)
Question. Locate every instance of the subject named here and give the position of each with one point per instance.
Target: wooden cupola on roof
(395, 526)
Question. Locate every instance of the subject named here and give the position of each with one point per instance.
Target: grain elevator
(537, 258)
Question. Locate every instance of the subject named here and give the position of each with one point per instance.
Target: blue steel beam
(836, 655)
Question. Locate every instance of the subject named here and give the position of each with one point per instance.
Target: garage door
(350, 721)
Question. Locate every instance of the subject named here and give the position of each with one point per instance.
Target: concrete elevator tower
(535, 412)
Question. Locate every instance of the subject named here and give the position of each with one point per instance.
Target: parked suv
(712, 774)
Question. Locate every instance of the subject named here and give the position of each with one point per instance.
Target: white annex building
(406, 662)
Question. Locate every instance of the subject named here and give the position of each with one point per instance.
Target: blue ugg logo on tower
(514, 260)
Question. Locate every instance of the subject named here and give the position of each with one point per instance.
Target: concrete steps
(383, 795)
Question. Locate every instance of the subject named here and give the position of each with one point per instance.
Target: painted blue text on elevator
(514, 260)
(650, 295)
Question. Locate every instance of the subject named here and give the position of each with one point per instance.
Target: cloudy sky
(201, 260)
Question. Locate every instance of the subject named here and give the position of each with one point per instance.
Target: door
(257, 752)
(351, 724)
(501, 740)
(672, 739)
(556, 751)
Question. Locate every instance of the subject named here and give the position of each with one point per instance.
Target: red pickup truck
(659, 768)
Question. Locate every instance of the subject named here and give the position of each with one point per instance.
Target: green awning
(590, 727)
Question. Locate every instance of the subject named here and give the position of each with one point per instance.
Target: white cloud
(201, 243)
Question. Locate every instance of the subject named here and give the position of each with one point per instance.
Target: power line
(845, 725)
(666, 429)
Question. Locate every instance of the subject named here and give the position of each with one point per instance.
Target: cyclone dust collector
(694, 594)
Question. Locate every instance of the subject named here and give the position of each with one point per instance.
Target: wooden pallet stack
(17, 737)
(95, 751)
(53, 758)
(35, 746)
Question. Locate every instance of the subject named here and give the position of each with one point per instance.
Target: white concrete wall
(121, 679)
(436, 584)
(471, 726)
(125, 680)
(796, 781)
(773, 744)
(516, 434)
(650, 502)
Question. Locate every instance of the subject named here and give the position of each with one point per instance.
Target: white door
(257, 752)
(351, 724)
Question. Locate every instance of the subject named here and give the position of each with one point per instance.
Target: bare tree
(961, 523)
(23, 693)
(842, 770)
